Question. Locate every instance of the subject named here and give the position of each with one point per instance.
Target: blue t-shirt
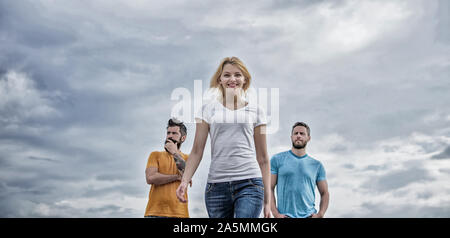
(296, 183)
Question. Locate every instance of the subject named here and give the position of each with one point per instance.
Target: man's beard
(296, 146)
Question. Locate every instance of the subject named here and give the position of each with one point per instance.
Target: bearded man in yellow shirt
(164, 171)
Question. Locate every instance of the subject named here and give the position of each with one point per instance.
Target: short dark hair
(301, 124)
(175, 122)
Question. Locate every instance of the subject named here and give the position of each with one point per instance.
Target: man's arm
(181, 165)
(324, 199)
(155, 178)
(179, 161)
(273, 201)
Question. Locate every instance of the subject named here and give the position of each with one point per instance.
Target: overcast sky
(85, 95)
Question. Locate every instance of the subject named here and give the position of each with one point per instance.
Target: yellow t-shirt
(162, 199)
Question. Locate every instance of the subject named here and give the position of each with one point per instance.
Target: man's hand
(171, 147)
(317, 215)
(279, 215)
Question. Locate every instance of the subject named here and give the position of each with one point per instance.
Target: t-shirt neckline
(234, 109)
(298, 157)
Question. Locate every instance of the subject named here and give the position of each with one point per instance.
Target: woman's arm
(201, 135)
(264, 164)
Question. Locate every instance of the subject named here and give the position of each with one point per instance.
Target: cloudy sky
(85, 95)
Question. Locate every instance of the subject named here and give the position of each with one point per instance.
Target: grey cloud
(443, 33)
(392, 101)
(31, 27)
(112, 176)
(43, 159)
(291, 4)
(109, 75)
(376, 167)
(60, 56)
(128, 189)
(108, 209)
(443, 155)
(424, 195)
(39, 178)
(397, 179)
(37, 36)
(379, 210)
(432, 146)
(15, 206)
(447, 171)
(339, 148)
(348, 166)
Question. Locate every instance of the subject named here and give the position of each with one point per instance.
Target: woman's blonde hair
(235, 61)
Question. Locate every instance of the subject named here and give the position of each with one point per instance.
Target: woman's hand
(267, 210)
(181, 192)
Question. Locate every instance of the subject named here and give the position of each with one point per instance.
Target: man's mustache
(173, 140)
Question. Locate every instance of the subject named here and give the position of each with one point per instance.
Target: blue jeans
(235, 199)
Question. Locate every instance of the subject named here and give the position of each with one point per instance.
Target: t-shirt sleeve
(152, 160)
(273, 165)
(261, 118)
(185, 156)
(321, 175)
(204, 113)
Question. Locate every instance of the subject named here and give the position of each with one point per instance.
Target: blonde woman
(238, 183)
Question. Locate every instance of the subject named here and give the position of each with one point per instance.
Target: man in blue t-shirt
(296, 174)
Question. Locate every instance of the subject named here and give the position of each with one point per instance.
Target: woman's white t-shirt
(233, 155)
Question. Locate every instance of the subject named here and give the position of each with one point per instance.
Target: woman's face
(231, 78)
